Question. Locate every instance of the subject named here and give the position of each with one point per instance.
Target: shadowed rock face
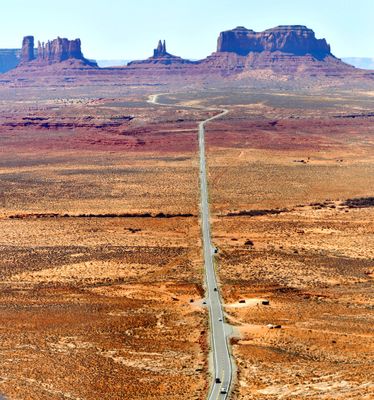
(59, 50)
(160, 51)
(54, 51)
(27, 52)
(294, 39)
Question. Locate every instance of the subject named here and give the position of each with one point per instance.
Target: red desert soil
(101, 271)
(293, 221)
(101, 309)
(100, 252)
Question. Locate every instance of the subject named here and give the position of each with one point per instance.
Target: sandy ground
(100, 257)
(290, 233)
(100, 263)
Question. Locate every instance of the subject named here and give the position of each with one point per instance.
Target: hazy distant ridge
(360, 62)
(112, 63)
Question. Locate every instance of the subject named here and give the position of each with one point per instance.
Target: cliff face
(296, 39)
(27, 52)
(59, 50)
(286, 50)
(52, 52)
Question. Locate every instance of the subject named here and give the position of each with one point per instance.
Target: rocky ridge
(52, 52)
(283, 52)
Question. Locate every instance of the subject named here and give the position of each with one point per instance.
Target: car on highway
(220, 319)
(223, 390)
(218, 380)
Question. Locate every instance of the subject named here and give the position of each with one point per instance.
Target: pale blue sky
(129, 29)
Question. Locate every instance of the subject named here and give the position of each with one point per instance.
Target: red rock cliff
(293, 39)
(27, 52)
(54, 51)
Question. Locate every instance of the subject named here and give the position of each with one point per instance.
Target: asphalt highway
(219, 330)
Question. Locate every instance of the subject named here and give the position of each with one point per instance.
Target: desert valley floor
(102, 280)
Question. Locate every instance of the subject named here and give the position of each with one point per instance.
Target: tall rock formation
(27, 52)
(287, 50)
(160, 51)
(59, 50)
(52, 52)
(295, 39)
(162, 57)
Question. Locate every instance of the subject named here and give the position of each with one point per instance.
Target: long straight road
(222, 363)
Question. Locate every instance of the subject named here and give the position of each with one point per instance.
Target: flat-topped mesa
(284, 50)
(161, 56)
(293, 39)
(51, 52)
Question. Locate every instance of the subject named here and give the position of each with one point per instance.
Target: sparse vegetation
(100, 240)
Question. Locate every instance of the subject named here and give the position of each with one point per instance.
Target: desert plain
(102, 278)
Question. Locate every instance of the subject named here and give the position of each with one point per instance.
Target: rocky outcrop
(286, 50)
(160, 51)
(59, 50)
(27, 52)
(161, 57)
(51, 52)
(295, 39)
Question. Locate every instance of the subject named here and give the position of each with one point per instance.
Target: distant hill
(9, 59)
(112, 63)
(360, 62)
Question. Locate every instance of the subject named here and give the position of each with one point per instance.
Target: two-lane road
(222, 363)
(219, 332)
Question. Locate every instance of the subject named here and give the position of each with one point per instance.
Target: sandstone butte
(286, 50)
(51, 52)
(296, 40)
